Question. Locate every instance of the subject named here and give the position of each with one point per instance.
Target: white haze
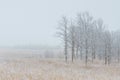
(34, 22)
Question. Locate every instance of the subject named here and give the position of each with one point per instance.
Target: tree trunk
(66, 52)
(118, 56)
(77, 52)
(86, 57)
(73, 46)
(81, 53)
(105, 56)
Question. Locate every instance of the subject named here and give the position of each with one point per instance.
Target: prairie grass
(40, 69)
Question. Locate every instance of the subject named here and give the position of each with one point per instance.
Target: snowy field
(36, 68)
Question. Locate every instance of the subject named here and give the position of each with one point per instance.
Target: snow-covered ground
(35, 68)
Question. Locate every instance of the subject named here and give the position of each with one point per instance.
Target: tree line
(88, 39)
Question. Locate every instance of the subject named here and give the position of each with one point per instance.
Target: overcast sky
(34, 22)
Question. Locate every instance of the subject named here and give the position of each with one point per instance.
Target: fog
(59, 39)
(34, 22)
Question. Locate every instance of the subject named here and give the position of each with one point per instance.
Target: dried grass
(35, 69)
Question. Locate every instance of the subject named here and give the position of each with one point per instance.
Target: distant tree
(80, 35)
(72, 39)
(93, 43)
(107, 46)
(86, 36)
(117, 44)
(100, 38)
(86, 21)
(63, 34)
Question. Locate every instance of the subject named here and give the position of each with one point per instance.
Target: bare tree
(80, 34)
(72, 39)
(118, 48)
(117, 44)
(87, 22)
(108, 46)
(93, 40)
(86, 35)
(100, 38)
(63, 33)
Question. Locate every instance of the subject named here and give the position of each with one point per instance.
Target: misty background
(34, 22)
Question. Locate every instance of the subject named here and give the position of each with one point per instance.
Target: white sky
(24, 22)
